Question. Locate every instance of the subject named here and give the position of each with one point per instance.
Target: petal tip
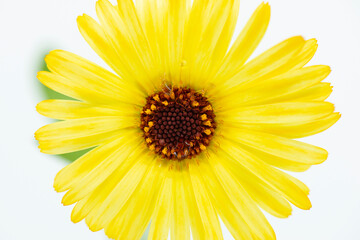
(81, 19)
(94, 227)
(313, 40)
(76, 216)
(41, 74)
(267, 4)
(38, 108)
(339, 115)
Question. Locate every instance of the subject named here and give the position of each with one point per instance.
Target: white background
(30, 208)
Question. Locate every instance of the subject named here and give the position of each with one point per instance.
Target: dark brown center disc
(178, 123)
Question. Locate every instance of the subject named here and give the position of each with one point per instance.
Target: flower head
(185, 129)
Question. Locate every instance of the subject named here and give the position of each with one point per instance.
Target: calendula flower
(185, 130)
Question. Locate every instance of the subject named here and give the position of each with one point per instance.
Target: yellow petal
(132, 28)
(202, 32)
(77, 214)
(279, 162)
(243, 203)
(138, 209)
(209, 217)
(259, 190)
(90, 205)
(246, 42)
(132, 55)
(72, 66)
(318, 92)
(300, 184)
(75, 88)
(279, 113)
(272, 62)
(160, 221)
(276, 89)
(123, 190)
(198, 229)
(95, 36)
(180, 222)
(164, 22)
(278, 146)
(297, 129)
(75, 171)
(306, 53)
(117, 161)
(68, 109)
(92, 78)
(223, 43)
(153, 16)
(277, 179)
(230, 215)
(177, 14)
(77, 128)
(77, 134)
(268, 199)
(65, 86)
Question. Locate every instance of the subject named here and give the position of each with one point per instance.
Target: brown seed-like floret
(178, 123)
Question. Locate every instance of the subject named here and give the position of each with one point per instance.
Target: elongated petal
(153, 16)
(124, 188)
(133, 30)
(202, 32)
(90, 90)
(160, 224)
(177, 12)
(277, 89)
(133, 56)
(78, 213)
(246, 43)
(306, 53)
(207, 212)
(93, 78)
(272, 62)
(68, 109)
(117, 161)
(138, 209)
(230, 215)
(282, 163)
(297, 129)
(75, 171)
(318, 92)
(164, 24)
(299, 183)
(197, 227)
(95, 36)
(259, 190)
(274, 177)
(223, 42)
(65, 86)
(279, 146)
(77, 128)
(280, 113)
(89, 206)
(77, 134)
(243, 203)
(180, 222)
(267, 198)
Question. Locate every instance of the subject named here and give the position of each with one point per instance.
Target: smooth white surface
(29, 207)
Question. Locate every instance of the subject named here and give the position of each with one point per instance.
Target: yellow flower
(186, 130)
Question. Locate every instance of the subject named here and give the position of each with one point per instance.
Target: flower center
(177, 123)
